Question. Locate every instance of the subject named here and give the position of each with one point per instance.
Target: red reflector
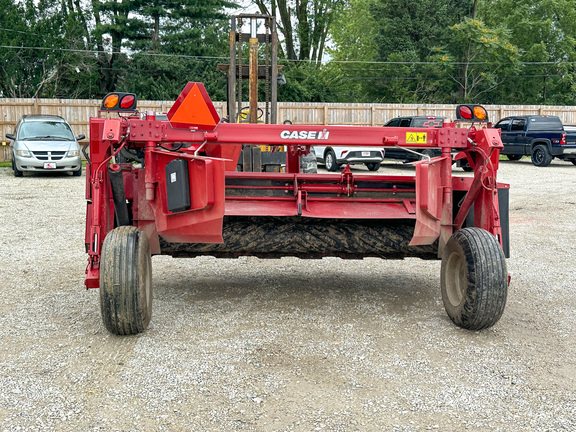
(127, 102)
(466, 112)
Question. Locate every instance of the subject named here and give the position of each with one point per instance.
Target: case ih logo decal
(311, 135)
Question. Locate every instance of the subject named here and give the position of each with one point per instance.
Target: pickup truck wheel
(541, 157)
(474, 279)
(126, 281)
(514, 157)
(573, 161)
(427, 154)
(373, 166)
(330, 161)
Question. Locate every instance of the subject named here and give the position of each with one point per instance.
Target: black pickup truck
(413, 121)
(541, 137)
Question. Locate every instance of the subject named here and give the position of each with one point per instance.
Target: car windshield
(52, 130)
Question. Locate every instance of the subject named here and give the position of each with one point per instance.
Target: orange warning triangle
(194, 109)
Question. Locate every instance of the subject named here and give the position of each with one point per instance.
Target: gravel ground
(288, 344)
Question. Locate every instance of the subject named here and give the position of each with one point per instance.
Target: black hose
(119, 195)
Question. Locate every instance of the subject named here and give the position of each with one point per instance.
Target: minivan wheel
(17, 172)
(78, 172)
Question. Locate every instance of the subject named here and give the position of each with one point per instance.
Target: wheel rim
(538, 156)
(329, 161)
(455, 279)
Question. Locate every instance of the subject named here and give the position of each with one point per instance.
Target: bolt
(110, 135)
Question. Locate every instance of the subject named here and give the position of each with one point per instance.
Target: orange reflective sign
(194, 109)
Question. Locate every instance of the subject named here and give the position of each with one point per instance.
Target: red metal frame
(216, 190)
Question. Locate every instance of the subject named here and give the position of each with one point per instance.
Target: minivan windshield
(45, 130)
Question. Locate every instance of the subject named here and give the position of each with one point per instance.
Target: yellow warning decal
(416, 137)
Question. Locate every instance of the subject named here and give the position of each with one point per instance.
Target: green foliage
(412, 51)
(311, 82)
(545, 33)
(483, 58)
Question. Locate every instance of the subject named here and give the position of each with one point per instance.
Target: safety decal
(416, 137)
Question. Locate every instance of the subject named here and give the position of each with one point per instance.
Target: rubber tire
(330, 161)
(573, 161)
(474, 279)
(541, 157)
(308, 163)
(514, 157)
(126, 281)
(17, 172)
(77, 173)
(429, 153)
(373, 166)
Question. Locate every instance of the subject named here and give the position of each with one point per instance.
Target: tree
(395, 44)
(305, 25)
(481, 59)
(171, 43)
(545, 34)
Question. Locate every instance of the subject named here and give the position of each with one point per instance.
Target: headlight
(73, 153)
(24, 153)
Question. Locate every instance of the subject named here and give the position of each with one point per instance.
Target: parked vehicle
(541, 137)
(45, 143)
(333, 157)
(413, 121)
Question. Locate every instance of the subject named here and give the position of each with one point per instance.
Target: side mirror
(11, 137)
(80, 137)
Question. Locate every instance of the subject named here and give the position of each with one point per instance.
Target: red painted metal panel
(327, 209)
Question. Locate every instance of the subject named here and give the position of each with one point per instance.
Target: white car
(335, 156)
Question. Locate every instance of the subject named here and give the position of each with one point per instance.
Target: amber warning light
(472, 113)
(119, 102)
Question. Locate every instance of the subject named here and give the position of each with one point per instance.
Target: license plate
(366, 153)
(49, 165)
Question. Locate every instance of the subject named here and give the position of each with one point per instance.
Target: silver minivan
(45, 143)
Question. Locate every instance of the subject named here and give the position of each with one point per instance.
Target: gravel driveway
(288, 344)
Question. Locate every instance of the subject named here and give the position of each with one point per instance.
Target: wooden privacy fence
(79, 111)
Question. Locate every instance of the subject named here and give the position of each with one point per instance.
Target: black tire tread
(486, 294)
(274, 237)
(547, 160)
(121, 274)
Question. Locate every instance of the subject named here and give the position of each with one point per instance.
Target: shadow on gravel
(276, 289)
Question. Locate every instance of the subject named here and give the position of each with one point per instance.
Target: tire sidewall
(445, 272)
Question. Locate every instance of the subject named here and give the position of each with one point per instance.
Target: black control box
(177, 185)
